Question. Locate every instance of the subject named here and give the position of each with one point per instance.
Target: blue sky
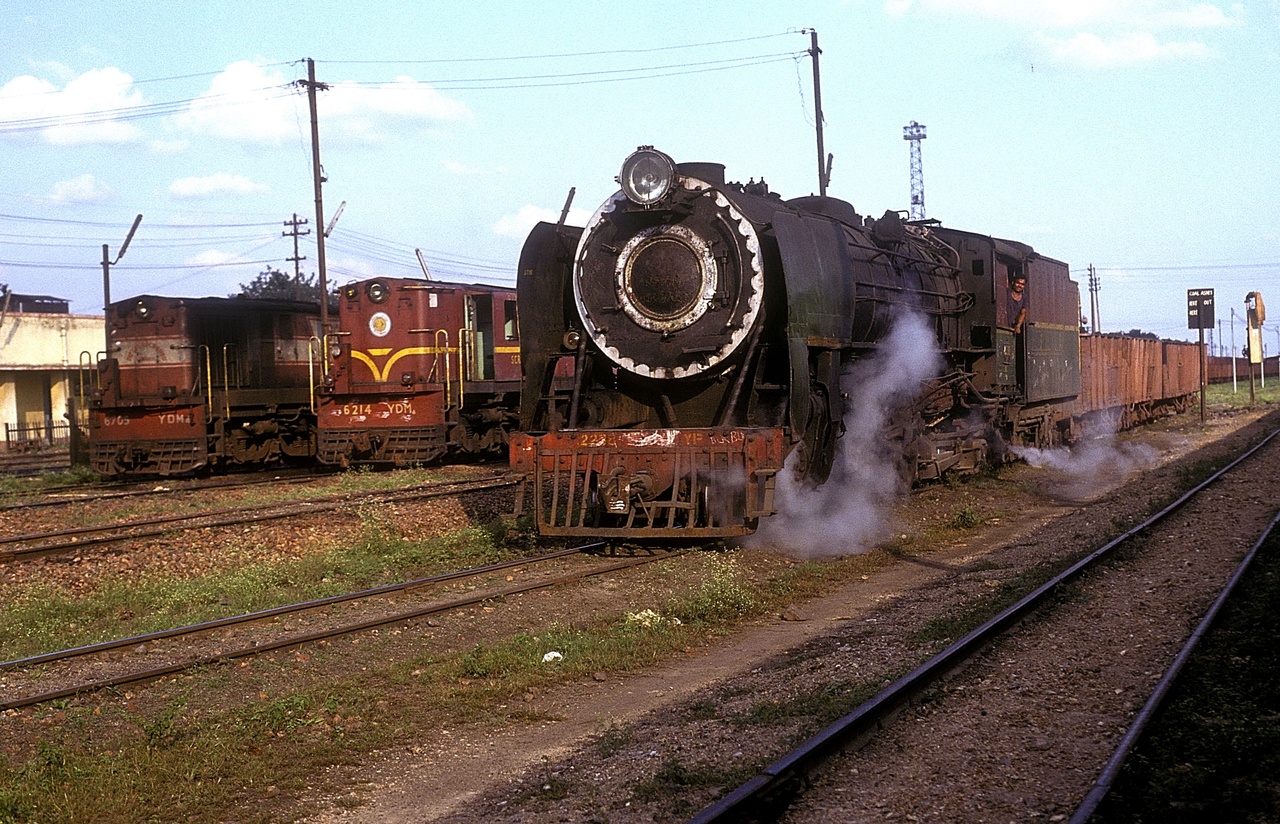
(1139, 136)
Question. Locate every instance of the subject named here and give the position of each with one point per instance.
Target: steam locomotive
(692, 339)
(418, 368)
(195, 383)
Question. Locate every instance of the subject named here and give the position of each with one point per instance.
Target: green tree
(274, 284)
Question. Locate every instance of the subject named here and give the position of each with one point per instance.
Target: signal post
(1200, 316)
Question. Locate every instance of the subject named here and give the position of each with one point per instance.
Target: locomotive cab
(1033, 366)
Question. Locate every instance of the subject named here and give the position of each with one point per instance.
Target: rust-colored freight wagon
(1181, 370)
(1127, 380)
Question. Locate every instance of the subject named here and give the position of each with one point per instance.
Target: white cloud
(83, 189)
(219, 183)
(1079, 13)
(86, 110)
(462, 170)
(522, 222)
(374, 113)
(252, 104)
(1095, 34)
(168, 146)
(246, 103)
(213, 257)
(1093, 52)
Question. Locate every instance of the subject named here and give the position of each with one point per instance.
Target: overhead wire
(126, 224)
(610, 52)
(125, 113)
(1197, 267)
(581, 78)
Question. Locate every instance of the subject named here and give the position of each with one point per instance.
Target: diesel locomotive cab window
(510, 320)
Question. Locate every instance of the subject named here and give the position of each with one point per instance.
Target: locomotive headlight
(377, 291)
(647, 175)
(142, 309)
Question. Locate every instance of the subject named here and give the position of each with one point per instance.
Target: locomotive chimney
(712, 173)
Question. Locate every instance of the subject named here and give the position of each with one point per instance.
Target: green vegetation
(966, 518)
(1220, 395)
(49, 480)
(670, 784)
(41, 618)
(102, 761)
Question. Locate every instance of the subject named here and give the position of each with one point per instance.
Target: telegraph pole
(824, 161)
(297, 258)
(317, 173)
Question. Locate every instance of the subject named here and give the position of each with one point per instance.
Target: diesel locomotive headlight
(377, 291)
(142, 310)
(646, 176)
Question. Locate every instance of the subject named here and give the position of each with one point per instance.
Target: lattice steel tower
(915, 133)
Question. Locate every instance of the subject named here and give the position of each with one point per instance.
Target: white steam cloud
(1094, 465)
(851, 512)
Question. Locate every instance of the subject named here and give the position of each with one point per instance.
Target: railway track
(111, 664)
(16, 548)
(847, 771)
(114, 490)
(30, 464)
(1106, 779)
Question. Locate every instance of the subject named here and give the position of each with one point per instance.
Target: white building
(47, 356)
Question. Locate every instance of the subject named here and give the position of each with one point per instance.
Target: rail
(262, 646)
(1103, 784)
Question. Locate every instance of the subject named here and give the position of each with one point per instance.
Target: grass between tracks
(178, 753)
(50, 480)
(41, 617)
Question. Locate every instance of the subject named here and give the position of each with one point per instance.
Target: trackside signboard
(1200, 309)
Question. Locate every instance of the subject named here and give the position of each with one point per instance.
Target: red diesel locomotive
(195, 383)
(418, 369)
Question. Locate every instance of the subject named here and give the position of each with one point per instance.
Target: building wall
(43, 358)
